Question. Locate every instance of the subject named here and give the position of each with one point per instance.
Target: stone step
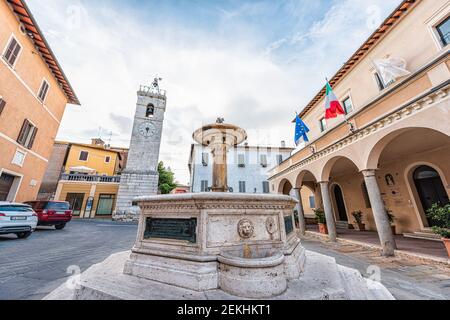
(424, 235)
(342, 225)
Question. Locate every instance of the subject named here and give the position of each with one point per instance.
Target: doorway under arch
(340, 203)
(430, 189)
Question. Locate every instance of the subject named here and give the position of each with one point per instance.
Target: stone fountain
(219, 246)
(243, 244)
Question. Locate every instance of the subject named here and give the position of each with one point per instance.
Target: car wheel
(23, 235)
(60, 226)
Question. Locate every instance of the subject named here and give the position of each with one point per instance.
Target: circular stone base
(252, 278)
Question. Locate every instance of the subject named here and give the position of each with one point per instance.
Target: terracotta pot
(394, 230)
(323, 228)
(447, 245)
(361, 227)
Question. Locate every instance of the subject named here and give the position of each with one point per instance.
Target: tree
(166, 179)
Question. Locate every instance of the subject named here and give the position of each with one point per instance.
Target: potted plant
(391, 218)
(322, 221)
(440, 215)
(358, 216)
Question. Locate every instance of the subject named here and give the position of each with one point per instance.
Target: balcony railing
(90, 178)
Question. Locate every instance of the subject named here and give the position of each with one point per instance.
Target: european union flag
(301, 131)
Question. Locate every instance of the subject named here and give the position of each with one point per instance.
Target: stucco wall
(253, 173)
(19, 87)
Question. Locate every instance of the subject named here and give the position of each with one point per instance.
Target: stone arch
(328, 167)
(285, 187)
(373, 156)
(150, 111)
(412, 190)
(304, 175)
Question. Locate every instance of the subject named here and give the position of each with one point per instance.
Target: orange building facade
(34, 93)
(390, 153)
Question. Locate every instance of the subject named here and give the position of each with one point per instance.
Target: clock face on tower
(147, 129)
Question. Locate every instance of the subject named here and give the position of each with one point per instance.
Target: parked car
(52, 213)
(17, 218)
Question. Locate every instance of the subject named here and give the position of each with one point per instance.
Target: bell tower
(140, 177)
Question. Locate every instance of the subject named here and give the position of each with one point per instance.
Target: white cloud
(107, 53)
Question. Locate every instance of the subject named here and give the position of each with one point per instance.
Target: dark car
(52, 213)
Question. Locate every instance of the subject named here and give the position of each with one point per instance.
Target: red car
(52, 213)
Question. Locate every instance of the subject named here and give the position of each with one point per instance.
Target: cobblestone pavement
(32, 268)
(406, 279)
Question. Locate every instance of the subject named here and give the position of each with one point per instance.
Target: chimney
(283, 144)
(97, 142)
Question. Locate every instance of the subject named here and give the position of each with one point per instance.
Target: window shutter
(22, 135)
(9, 51)
(2, 105)
(205, 159)
(43, 91)
(264, 161)
(15, 54)
(33, 136)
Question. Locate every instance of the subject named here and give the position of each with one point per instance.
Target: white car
(17, 218)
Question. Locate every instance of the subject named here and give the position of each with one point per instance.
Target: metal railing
(90, 178)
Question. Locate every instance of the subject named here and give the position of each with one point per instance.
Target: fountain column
(220, 137)
(220, 173)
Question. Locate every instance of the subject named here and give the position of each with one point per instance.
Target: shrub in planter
(441, 217)
(358, 216)
(321, 219)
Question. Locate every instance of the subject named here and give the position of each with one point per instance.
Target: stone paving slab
(406, 278)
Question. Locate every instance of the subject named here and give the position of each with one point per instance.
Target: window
(242, 186)
(205, 159)
(280, 159)
(266, 187)
(83, 156)
(443, 30)
(105, 205)
(150, 111)
(2, 104)
(264, 160)
(380, 82)
(312, 202)
(19, 158)
(76, 202)
(43, 90)
(107, 159)
(348, 106)
(323, 124)
(204, 186)
(27, 134)
(12, 52)
(241, 161)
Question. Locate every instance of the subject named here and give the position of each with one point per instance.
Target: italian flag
(333, 106)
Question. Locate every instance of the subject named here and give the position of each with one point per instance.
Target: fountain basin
(255, 278)
(185, 240)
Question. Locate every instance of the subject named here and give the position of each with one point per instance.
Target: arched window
(366, 195)
(150, 111)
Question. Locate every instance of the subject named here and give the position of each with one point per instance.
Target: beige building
(34, 93)
(391, 152)
(85, 175)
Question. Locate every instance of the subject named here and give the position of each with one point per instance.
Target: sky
(253, 62)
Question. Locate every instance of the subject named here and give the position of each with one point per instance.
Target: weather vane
(220, 120)
(155, 83)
